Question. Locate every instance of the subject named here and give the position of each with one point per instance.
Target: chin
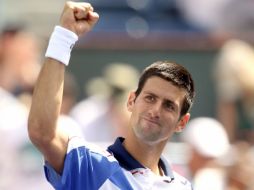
(148, 138)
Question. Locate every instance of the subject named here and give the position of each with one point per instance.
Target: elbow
(38, 133)
(34, 132)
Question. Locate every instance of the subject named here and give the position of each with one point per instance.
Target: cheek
(136, 112)
(170, 121)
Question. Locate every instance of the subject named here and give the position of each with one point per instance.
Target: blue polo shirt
(88, 167)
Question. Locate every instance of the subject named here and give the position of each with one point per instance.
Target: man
(159, 107)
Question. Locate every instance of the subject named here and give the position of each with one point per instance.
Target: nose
(155, 110)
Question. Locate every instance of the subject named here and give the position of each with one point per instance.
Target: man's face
(156, 111)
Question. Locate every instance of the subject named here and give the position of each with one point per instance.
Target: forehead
(164, 89)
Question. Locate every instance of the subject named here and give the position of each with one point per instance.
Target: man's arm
(47, 98)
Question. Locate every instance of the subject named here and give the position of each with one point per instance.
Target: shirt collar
(129, 163)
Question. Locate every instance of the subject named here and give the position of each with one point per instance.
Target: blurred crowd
(19, 67)
(220, 150)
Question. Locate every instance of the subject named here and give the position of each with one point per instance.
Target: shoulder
(77, 145)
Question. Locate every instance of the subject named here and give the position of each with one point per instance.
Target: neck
(146, 154)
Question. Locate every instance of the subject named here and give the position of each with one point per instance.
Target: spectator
(18, 70)
(234, 81)
(208, 141)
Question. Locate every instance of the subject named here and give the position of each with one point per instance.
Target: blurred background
(213, 39)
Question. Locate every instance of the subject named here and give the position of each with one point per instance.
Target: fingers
(78, 17)
(81, 10)
(92, 18)
(85, 12)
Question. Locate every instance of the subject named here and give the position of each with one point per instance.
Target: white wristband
(60, 44)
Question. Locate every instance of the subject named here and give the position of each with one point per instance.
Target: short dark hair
(174, 73)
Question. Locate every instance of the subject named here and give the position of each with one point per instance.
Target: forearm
(46, 103)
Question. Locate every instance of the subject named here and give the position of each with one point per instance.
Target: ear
(131, 101)
(182, 123)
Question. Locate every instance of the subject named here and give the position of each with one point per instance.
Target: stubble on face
(155, 127)
(148, 129)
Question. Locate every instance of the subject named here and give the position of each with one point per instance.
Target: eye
(149, 98)
(169, 106)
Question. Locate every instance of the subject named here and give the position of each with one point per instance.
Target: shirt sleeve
(86, 166)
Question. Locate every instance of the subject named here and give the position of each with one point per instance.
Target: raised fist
(78, 17)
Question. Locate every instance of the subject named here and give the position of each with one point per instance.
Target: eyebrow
(150, 93)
